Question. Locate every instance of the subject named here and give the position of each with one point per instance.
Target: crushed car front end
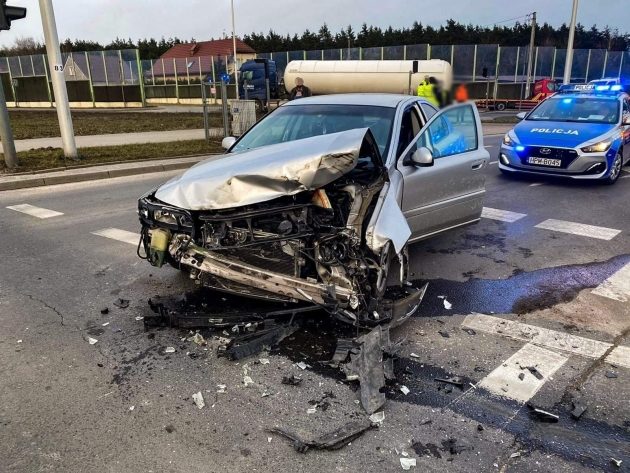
(284, 224)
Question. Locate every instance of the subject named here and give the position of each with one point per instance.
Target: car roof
(379, 100)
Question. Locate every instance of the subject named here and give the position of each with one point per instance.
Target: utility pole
(568, 65)
(530, 56)
(7, 15)
(55, 63)
(234, 46)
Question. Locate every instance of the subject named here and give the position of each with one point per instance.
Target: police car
(581, 132)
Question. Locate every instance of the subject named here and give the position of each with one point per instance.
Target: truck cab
(253, 75)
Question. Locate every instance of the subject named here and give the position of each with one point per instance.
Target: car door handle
(477, 165)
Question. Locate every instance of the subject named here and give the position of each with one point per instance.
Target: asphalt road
(125, 405)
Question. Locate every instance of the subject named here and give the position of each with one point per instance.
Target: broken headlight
(171, 218)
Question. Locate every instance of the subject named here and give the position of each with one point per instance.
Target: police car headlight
(600, 147)
(508, 140)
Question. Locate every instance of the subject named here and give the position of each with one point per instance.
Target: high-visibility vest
(426, 91)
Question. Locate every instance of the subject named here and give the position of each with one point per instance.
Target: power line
(508, 20)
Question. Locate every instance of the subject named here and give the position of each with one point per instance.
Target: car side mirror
(521, 115)
(422, 157)
(227, 142)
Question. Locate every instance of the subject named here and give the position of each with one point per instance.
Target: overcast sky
(103, 20)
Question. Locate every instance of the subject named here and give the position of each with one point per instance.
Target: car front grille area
(272, 256)
(566, 156)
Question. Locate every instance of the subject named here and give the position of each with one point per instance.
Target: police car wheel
(615, 169)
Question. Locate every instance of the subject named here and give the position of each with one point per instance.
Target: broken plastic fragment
(264, 361)
(221, 388)
(105, 324)
(405, 390)
(447, 304)
(169, 350)
(377, 417)
(92, 341)
(301, 365)
(311, 410)
(515, 455)
(198, 339)
(131, 408)
(19, 341)
(414, 355)
(616, 462)
(139, 318)
(247, 380)
(407, 463)
(198, 399)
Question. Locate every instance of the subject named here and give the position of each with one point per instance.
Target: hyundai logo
(545, 150)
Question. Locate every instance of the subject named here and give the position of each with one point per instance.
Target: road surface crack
(48, 306)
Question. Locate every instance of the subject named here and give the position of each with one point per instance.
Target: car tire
(615, 169)
(500, 106)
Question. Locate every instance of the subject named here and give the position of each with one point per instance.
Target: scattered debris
(414, 355)
(221, 388)
(249, 344)
(311, 410)
(521, 376)
(121, 303)
(198, 339)
(469, 331)
(616, 462)
(543, 416)
(405, 390)
(455, 381)
(578, 410)
(301, 365)
(407, 463)
(378, 417)
(20, 341)
(291, 380)
(334, 440)
(515, 455)
(105, 310)
(139, 318)
(198, 400)
(342, 351)
(444, 333)
(169, 350)
(247, 380)
(105, 324)
(533, 370)
(611, 374)
(447, 304)
(263, 361)
(92, 341)
(131, 408)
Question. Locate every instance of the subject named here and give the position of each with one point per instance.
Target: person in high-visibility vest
(426, 90)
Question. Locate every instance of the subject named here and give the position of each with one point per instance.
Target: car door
(626, 130)
(449, 192)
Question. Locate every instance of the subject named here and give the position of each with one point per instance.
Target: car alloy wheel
(615, 169)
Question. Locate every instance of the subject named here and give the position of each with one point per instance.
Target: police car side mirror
(227, 142)
(521, 115)
(422, 157)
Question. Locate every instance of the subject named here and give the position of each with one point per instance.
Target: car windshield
(295, 122)
(577, 109)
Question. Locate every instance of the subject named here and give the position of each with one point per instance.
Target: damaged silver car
(318, 202)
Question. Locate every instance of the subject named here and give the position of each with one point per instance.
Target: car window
(428, 110)
(577, 109)
(294, 122)
(410, 126)
(453, 132)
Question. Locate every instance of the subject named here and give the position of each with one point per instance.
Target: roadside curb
(96, 173)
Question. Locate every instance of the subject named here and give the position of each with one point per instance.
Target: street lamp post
(234, 46)
(568, 65)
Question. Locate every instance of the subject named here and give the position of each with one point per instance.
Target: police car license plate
(544, 162)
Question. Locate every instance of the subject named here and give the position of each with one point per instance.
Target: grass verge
(49, 158)
(44, 123)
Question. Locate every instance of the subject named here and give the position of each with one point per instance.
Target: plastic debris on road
(198, 400)
(414, 355)
(407, 463)
(92, 341)
(264, 361)
(169, 350)
(198, 339)
(301, 365)
(377, 417)
(221, 388)
(311, 410)
(405, 390)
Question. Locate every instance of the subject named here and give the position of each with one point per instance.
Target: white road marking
(505, 381)
(34, 211)
(120, 235)
(619, 356)
(503, 215)
(601, 233)
(540, 336)
(535, 184)
(616, 286)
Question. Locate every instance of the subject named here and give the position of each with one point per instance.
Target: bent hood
(262, 174)
(566, 134)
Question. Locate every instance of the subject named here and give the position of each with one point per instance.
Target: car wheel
(500, 106)
(615, 169)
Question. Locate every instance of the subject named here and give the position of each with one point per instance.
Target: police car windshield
(577, 109)
(296, 122)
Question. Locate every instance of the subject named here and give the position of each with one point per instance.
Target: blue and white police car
(581, 132)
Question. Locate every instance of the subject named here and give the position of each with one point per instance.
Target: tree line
(452, 32)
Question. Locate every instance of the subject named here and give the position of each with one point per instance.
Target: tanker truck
(341, 77)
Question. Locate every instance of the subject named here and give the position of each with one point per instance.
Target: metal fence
(121, 78)
(481, 62)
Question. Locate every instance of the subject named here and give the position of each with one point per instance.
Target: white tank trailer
(342, 77)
